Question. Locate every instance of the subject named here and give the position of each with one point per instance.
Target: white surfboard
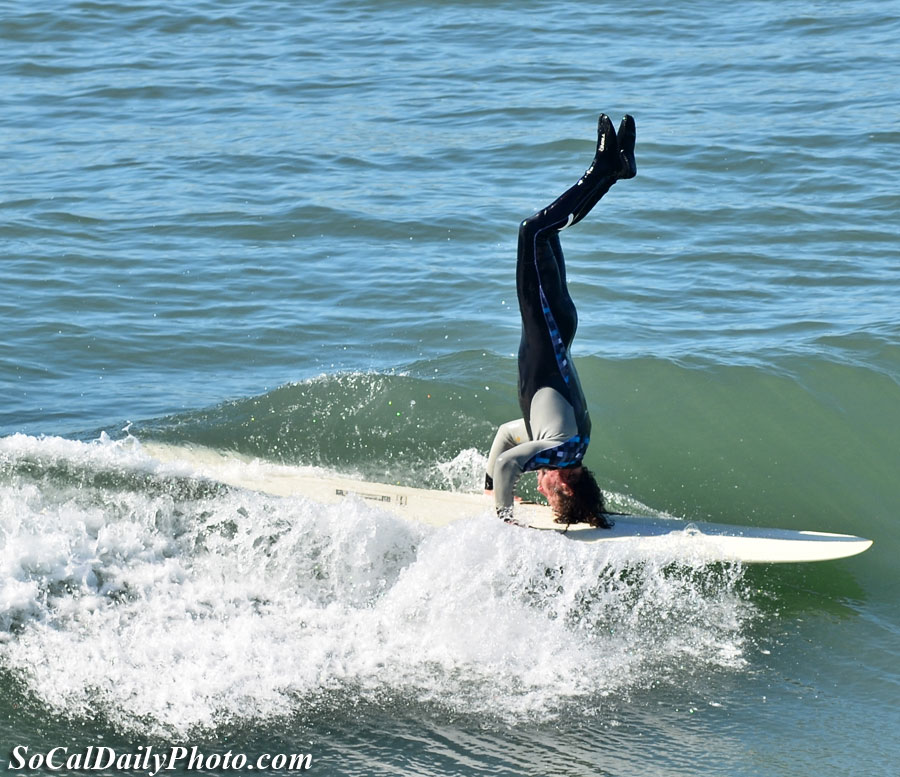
(642, 534)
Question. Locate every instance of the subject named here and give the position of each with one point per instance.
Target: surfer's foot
(626, 136)
(606, 158)
(614, 157)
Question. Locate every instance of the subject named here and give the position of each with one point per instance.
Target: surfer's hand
(505, 514)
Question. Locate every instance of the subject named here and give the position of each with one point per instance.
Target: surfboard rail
(642, 533)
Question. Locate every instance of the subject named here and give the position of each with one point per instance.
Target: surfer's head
(574, 495)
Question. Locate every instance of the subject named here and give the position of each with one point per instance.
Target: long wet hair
(585, 504)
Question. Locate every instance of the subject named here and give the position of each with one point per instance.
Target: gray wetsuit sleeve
(509, 435)
(552, 422)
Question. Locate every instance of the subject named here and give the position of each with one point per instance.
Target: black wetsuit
(555, 427)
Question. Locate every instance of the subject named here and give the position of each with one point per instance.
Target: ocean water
(289, 231)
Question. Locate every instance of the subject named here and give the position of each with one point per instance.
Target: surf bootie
(626, 135)
(606, 160)
(615, 152)
(613, 160)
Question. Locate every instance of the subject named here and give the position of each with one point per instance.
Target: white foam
(170, 611)
(465, 472)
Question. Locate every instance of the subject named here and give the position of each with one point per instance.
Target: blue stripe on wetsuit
(559, 347)
(568, 454)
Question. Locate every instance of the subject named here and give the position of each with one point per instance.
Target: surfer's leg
(541, 279)
(540, 269)
(549, 318)
(613, 160)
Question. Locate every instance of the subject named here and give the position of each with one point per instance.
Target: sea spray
(169, 605)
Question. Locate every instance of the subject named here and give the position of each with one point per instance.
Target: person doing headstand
(554, 431)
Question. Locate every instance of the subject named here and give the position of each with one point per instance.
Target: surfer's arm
(508, 468)
(508, 436)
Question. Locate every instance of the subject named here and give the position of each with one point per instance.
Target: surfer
(554, 431)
